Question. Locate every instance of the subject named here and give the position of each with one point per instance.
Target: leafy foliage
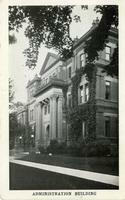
(16, 130)
(100, 35)
(46, 24)
(101, 32)
(11, 92)
(12, 39)
(112, 68)
(79, 113)
(13, 124)
(50, 25)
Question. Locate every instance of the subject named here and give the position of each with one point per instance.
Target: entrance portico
(49, 117)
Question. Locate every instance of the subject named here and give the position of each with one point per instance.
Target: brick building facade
(50, 96)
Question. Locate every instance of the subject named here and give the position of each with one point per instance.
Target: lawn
(106, 165)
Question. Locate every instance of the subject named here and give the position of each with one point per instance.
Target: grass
(106, 165)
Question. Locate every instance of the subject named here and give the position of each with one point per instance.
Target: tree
(50, 25)
(11, 92)
(11, 95)
(13, 126)
(100, 37)
(17, 130)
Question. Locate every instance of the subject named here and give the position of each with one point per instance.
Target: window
(69, 100)
(45, 110)
(107, 126)
(81, 94)
(31, 115)
(82, 60)
(86, 92)
(84, 129)
(107, 53)
(107, 90)
(69, 72)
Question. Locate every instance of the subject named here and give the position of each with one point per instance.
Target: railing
(51, 81)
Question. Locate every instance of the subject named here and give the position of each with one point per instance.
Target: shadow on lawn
(106, 165)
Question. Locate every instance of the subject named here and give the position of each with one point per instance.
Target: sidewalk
(99, 177)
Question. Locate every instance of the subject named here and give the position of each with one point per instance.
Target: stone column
(53, 116)
(38, 125)
(60, 119)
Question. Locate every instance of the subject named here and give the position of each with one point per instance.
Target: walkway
(103, 178)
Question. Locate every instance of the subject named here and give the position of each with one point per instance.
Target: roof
(113, 32)
(54, 59)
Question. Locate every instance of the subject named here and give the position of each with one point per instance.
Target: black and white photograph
(63, 100)
(63, 97)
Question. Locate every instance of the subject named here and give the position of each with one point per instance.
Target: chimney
(95, 22)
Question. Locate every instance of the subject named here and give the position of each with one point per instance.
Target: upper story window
(107, 90)
(82, 60)
(86, 92)
(107, 53)
(69, 72)
(81, 94)
(31, 115)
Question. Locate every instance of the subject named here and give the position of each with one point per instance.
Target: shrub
(76, 148)
(97, 148)
(114, 150)
(56, 147)
(11, 144)
(42, 149)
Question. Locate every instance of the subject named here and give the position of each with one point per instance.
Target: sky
(19, 73)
